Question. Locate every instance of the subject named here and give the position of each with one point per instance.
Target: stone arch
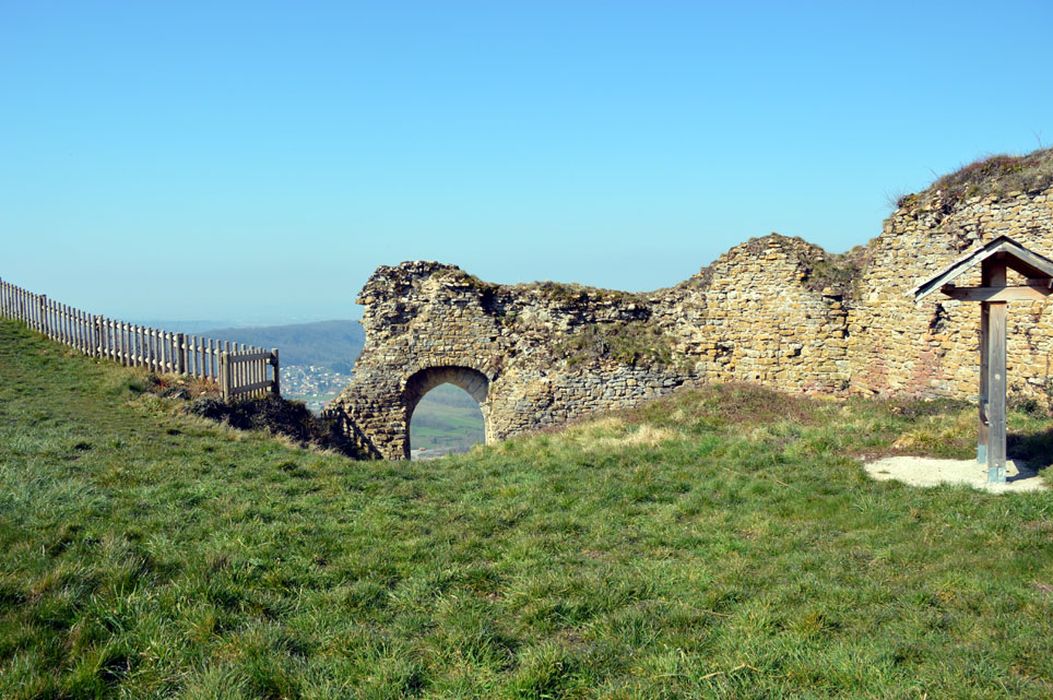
(472, 381)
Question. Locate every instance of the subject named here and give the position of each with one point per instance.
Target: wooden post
(984, 399)
(180, 341)
(996, 380)
(276, 385)
(224, 375)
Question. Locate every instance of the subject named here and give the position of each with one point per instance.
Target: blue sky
(255, 162)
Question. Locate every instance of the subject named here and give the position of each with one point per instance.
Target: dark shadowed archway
(472, 381)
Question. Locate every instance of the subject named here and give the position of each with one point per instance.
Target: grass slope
(720, 543)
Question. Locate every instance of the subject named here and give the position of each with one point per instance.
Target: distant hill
(332, 344)
(191, 327)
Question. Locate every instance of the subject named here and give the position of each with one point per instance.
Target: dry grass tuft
(994, 176)
(940, 435)
(614, 432)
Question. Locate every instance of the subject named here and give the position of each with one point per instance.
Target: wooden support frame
(995, 260)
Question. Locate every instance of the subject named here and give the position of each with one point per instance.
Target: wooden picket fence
(239, 370)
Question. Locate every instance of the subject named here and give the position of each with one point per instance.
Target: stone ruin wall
(776, 311)
(932, 348)
(759, 313)
(434, 321)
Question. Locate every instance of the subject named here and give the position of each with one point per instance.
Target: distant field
(717, 543)
(447, 418)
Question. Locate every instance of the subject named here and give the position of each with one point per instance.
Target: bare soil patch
(925, 471)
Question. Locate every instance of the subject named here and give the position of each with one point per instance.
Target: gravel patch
(923, 471)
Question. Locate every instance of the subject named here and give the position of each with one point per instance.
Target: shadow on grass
(1034, 449)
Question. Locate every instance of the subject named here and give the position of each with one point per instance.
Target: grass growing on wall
(625, 342)
(996, 176)
(718, 543)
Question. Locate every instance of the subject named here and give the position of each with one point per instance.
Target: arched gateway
(384, 431)
(472, 381)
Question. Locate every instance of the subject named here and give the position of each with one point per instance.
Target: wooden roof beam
(1023, 292)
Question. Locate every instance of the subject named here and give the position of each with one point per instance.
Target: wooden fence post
(276, 385)
(42, 321)
(96, 335)
(224, 375)
(180, 354)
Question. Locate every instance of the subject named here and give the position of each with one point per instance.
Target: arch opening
(446, 411)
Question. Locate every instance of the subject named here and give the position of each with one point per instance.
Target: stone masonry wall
(932, 348)
(774, 310)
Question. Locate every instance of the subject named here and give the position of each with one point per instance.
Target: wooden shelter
(995, 259)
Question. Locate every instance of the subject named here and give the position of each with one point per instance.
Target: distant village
(313, 385)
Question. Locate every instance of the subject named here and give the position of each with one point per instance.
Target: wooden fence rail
(239, 370)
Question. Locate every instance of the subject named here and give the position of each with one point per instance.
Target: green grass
(719, 543)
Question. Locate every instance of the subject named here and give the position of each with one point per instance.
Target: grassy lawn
(720, 543)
